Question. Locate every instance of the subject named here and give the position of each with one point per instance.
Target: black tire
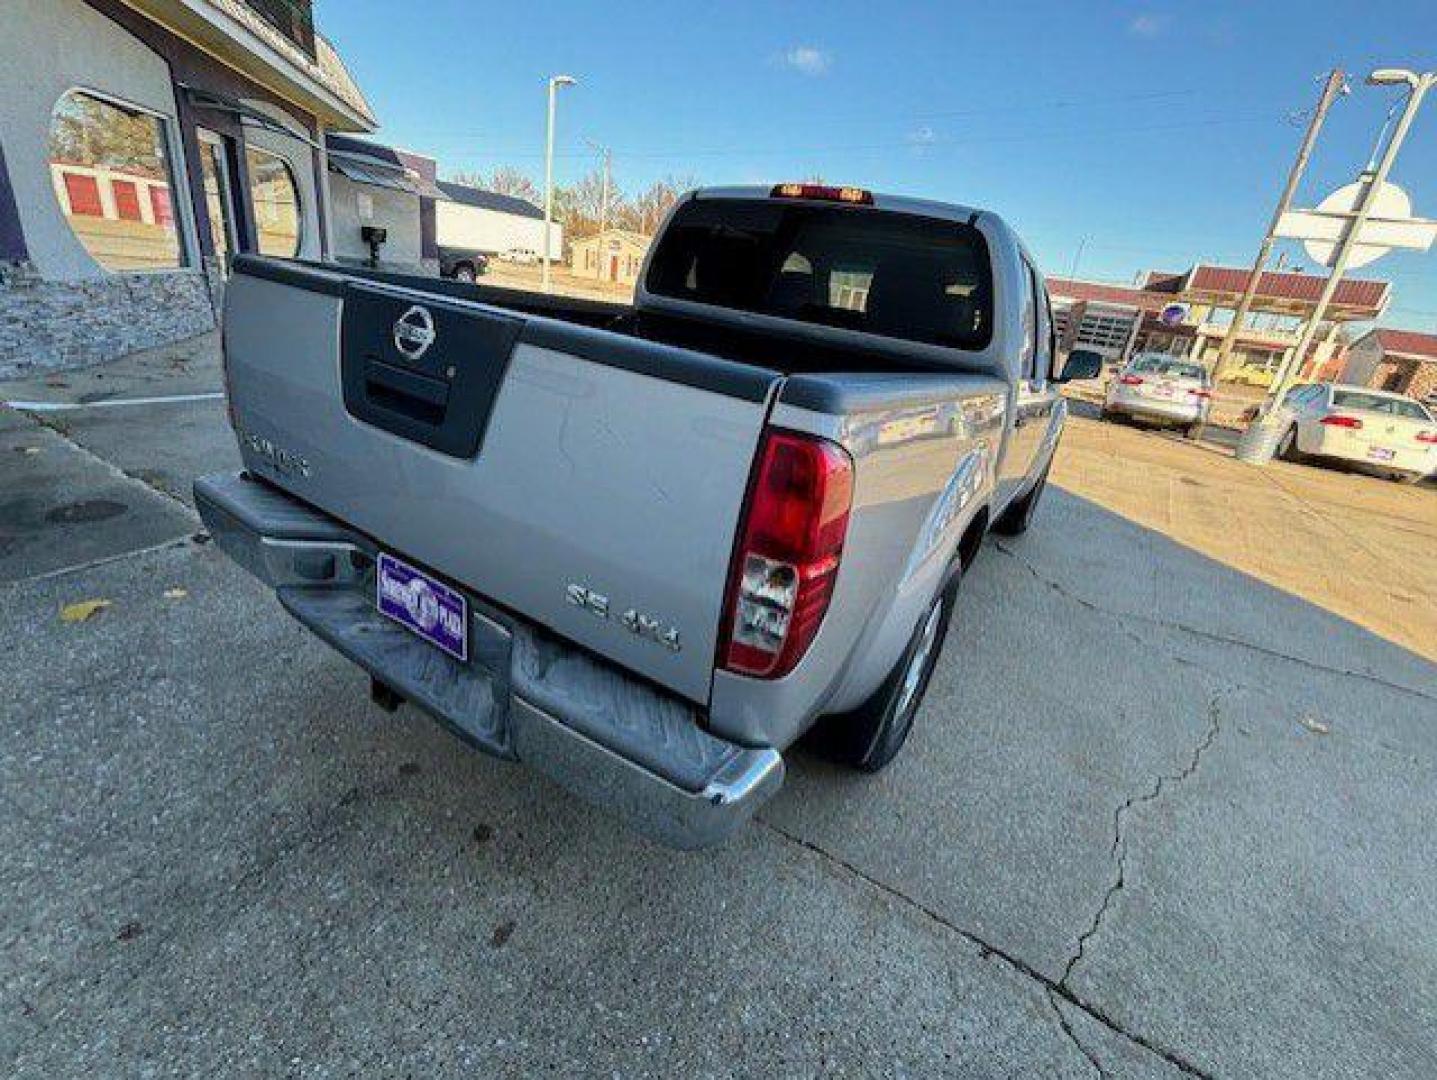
(1016, 518)
(870, 736)
(465, 273)
(1287, 446)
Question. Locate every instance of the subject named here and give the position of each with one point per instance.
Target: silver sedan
(1162, 388)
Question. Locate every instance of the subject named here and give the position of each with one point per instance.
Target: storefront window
(110, 168)
(275, 196)
(219, 197)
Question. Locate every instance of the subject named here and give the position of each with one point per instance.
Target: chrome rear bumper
(523, 695)
(1155, 408)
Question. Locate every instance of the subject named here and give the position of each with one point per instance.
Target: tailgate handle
(419, 396)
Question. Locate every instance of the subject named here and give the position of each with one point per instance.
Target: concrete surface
(61, 506)
(1166, 812)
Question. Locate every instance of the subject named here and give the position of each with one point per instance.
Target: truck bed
(536, 456)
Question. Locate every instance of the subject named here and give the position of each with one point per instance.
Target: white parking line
(69, 406)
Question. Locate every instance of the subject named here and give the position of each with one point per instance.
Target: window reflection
(275, 197)
(110, 167)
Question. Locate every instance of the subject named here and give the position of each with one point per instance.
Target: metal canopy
(363, 169)
(247, 114)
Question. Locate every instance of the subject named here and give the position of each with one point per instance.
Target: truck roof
(900, 203)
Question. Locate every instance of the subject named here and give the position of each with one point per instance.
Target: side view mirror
(1081, 364)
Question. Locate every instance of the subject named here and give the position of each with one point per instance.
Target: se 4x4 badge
(632, 620)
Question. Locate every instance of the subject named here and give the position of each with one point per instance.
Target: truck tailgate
(575, 475)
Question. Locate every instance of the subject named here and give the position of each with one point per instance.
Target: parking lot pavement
(1356, 545)
(63, 506)
(1159, 817)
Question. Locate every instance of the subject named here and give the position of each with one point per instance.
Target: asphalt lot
(1167, 809)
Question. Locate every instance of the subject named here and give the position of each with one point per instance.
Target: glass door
(219, 195)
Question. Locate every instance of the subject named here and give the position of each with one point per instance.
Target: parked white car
(1160, 387)
(1392, 433)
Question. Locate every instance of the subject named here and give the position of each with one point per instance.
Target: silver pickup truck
(644, 548)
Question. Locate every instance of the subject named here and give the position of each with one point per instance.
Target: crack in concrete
(987, 950)
(1119, 853)
(194, 539)
(1073, 1036)
(1207, 635)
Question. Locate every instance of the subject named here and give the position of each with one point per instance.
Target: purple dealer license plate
(430, 608)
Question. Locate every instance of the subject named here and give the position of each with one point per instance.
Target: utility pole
(1336, 84)
(555, 82)
(604, 199)
(1417, 86)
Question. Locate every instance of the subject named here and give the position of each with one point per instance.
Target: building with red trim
(1403, 361)
(144, 142)
(1189, 313)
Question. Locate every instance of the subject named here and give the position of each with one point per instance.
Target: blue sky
(1153, 134)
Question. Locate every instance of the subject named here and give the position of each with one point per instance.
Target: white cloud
(1147, 25)
(807, 60)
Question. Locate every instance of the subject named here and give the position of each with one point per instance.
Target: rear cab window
(875, 271)
(1170, 366)
(1380, 403)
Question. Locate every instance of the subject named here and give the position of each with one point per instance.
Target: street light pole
(555, 82)
(1417, 85)
(1336, 84)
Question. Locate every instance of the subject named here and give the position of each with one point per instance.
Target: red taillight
(1428, 437)
(1341, 421)
(786, 560)
(826, 192)
(1130, 380)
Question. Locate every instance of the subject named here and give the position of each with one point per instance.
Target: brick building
(1403, 361)
(1189, 313)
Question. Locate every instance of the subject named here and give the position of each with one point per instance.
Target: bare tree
(646, 210)
(580, 206)
(507, 180)
(504, 180)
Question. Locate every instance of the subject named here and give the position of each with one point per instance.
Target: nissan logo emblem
(414, 332)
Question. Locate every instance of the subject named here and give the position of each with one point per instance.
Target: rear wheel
(1287, 445)
(870, 736)
(464, 272)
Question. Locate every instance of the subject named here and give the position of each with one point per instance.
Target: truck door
(1035, 395)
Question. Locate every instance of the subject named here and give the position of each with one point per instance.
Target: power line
(906, 142)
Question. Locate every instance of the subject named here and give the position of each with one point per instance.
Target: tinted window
(1378, 403)
(1029, 301)
(898, 275)
(111, 169)
(1171, 366)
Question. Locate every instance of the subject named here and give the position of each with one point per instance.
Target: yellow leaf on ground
(82, 610)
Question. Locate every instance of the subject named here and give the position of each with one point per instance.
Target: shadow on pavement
(1200, 806)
